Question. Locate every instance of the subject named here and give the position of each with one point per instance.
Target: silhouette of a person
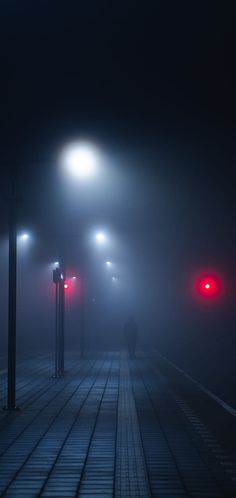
(131, 334)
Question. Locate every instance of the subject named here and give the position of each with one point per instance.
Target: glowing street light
(80, 159)
(100, 237)
(24, 236)
(108, 263)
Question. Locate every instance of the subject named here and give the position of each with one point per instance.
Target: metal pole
(57, 279)
(61, 325)
(82, 315)
(56, 333)
(11, 394)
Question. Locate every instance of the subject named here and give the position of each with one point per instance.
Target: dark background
(153, 83)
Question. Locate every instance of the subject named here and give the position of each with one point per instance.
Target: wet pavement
(114, 427)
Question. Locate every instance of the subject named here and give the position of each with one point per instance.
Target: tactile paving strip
(131, 474)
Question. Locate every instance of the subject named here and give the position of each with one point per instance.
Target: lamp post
(58, 279)
(11, 386)
(62, 323)
(82, 316)
(12, 294)
(79, 160)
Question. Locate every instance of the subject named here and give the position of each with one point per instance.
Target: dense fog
(151, 89)
(160, 234)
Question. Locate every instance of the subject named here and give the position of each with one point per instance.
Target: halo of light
(209, 286)
(80, 159)
(24, 236)
(100, 237)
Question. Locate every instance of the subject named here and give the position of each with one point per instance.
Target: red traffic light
(209, 286)
(66, 286)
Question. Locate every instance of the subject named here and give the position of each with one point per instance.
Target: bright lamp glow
(108, 263)
(100, 237)
(24, 236)
(80, 159)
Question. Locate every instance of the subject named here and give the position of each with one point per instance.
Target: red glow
(66, 286)
(209, 286)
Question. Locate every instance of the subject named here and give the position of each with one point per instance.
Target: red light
(66, 285)
(209, 286)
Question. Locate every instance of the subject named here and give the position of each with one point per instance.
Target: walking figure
(131, 334)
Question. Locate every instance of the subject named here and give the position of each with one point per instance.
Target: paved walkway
(112, 427)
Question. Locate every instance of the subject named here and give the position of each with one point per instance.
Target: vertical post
(11, 395)
(57, 279)
(56, 331)
(61, 324)
(82, 316)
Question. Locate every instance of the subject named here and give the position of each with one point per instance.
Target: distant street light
(24, 236)
(108, 263)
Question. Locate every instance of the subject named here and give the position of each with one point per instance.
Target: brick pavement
(111, 427)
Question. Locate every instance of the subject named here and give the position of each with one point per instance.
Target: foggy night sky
(153, 83)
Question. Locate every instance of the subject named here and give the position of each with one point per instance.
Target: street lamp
(24, 236)
(100, 237)
(80, 159)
